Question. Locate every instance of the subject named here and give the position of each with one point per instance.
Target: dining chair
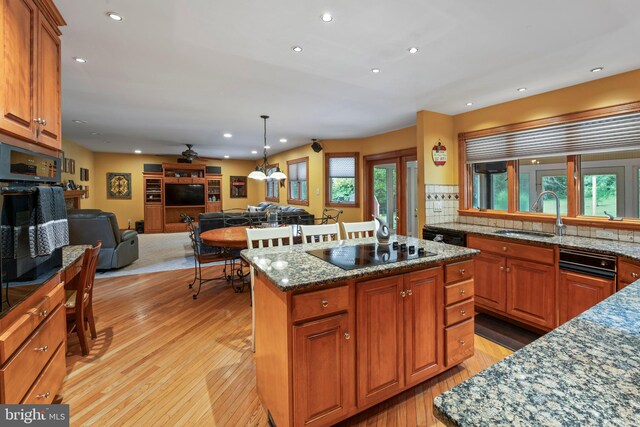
(79, 301)
(320, 233)
(329, 215)
(256, 238)
(359, 230)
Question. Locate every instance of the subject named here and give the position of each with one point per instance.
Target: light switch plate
(437, 207)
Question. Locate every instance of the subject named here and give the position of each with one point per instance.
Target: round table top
(228, 237)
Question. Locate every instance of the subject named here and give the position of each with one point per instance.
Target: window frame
(276, 186)
(327, 183)
(292, 183)
(573, 173)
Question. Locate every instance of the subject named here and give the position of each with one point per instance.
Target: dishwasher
(586, 278)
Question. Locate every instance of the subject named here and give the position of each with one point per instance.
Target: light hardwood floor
(163, 359)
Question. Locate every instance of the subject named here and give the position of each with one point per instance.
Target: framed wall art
(118, 185)
(238, 186)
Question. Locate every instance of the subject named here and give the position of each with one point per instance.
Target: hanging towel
(49, 229)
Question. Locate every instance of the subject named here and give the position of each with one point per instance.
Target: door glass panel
(411, 210)
(524, 199)
(384, 192)
(599, 194)
(489, 190)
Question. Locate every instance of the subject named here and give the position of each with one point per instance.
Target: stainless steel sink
(516, 233)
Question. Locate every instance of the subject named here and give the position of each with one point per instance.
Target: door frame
(400, 157)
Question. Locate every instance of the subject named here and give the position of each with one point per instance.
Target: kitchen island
(586, 372)
(331, 342)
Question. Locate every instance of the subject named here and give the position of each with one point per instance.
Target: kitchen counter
(610, 247)
(290, 267)
(585, 372)
(71, 253)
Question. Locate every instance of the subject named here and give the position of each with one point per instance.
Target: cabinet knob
(461, 342)
(462, 271)
(403, 294)
(44, 348)
(38, 120)
(43, 122)
(462, 292)
(501, 268)
(508, 269)
(43, 395)
(634, 275)
(462, 312)
(324, 303)
(504, 248)
(409, 292)
(347, 336)
(44, 313)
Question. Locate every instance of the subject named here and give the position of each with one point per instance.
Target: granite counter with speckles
(585, 372)
(291, 267)
(71, 253)
(611, 247)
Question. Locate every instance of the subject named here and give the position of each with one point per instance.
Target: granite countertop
(290, 267)
(71, 253)
(611, 247)
(585, 372)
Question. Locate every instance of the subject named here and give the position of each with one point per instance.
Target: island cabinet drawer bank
(332, 342)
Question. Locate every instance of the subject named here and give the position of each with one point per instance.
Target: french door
(391, 190)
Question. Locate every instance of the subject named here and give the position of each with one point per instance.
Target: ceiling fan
(189, 153)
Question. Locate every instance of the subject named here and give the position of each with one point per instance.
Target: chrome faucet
(559, 227)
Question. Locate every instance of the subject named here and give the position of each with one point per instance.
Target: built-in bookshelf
(153, 190)
(214, 193)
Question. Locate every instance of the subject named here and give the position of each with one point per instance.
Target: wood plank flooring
(163, 359)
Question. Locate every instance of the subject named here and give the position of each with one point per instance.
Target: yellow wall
(84, 158)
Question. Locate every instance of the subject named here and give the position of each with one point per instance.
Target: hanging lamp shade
(257, 174)
(260, 173)
(278, 175)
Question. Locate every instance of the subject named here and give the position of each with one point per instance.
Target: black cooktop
(368, 255)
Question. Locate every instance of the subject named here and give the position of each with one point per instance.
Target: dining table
(236, 237)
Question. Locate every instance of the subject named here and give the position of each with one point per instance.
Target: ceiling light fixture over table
(261, 170)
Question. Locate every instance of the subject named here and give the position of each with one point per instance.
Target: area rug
(503, 333)
(158, 252)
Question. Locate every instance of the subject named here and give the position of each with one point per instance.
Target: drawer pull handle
(403, 294)
(462, 292)
(347, 336)
(409, 292)
(501, 268)
(461, 342)
(324, 303)
(462, 312)
(504, 248)
(634, 275)
(462, 271)
(44, 348)
(44, 313)
(43, 395)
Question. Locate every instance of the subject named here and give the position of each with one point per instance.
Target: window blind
(616, 133)
(298, 171)
(342, 167)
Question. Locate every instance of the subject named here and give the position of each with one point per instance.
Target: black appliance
(368, 255)
(588, 263)
(19, 165)
(184, 194)
(451, 237)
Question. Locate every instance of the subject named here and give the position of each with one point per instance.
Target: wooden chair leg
(82, 334)
(92, 323)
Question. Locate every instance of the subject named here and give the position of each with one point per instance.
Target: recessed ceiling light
(469, 104)
(522, 89)
(283, 139)
(597, 69)
(226, 157)
(115, 16)
(413, 50)
(375, 70)
(137, 151)
(254, 152)
(80, 122)
(80, 60)
(296, 49)
(267, 147)
(227, 135)
(326, 17)
(95, 133)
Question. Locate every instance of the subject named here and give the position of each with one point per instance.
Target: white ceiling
(178, 71)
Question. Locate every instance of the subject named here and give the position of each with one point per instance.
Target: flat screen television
(183, 194)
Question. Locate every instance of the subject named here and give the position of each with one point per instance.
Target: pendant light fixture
(260, 173)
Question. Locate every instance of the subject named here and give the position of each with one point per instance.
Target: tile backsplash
(572, 230)
(441, 203)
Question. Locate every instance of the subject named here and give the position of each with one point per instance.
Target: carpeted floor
(158, 252)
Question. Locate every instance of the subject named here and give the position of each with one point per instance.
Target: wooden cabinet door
(531, 292)
(324, 378)
(18, 63)
(153, 219)
(579, 293)
(423, 324)
(48, 85)
(380, 339)
(490, 281)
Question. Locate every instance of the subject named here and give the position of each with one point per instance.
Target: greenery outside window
(298, 171)
(272, 193)
(542, 174)
(489, 186)
(341, 186)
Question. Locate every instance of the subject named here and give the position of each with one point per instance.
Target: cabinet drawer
(458, 312)
(14, 336)
(458, 292)
(514, 250)
(628, 272)
(458, 271)
(459, 342)
(49, 381)
(19, 374)
(320, 303)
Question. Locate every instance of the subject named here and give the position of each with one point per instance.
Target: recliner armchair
(87, 226)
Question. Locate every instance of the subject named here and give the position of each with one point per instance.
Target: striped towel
(48, 227)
